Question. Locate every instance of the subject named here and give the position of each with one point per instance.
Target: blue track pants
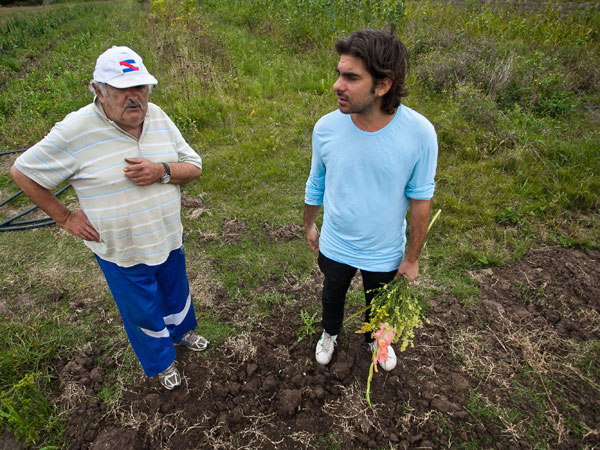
(155, 305)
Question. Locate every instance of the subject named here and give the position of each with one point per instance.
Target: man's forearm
(42, 197)
(310, 215)
(183, 172)
(419, 222)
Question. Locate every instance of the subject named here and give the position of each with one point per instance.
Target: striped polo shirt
(137, 224)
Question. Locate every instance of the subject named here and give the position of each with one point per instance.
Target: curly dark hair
(384, 56)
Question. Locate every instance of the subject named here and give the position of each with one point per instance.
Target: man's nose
(132, 92)
(338, 85)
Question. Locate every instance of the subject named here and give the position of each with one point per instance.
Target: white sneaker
(170, 378)
(325, 346)
(390, 362)
(194, 341)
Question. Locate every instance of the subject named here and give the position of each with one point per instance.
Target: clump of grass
(26, 410)
(307, 329)
(26, 355)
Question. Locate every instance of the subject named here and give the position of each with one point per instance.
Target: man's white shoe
(170, 377)
(390, 362)
(325, 346)
(194, 341)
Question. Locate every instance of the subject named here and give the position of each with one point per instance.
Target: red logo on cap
(128, 65)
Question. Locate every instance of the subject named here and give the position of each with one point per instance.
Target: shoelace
(169, 379)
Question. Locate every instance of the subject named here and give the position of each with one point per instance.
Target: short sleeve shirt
(137, 224)
(365, 181)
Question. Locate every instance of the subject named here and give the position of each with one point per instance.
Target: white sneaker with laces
(194, 341)
(391, 360)
(170, 377)
(325, 346)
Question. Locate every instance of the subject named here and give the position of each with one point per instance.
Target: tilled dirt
(517, 369)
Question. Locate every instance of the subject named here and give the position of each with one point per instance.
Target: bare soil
(509, 372)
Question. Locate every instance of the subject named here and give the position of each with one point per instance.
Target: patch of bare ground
(7, 160)
(9, 442)
(517, 369)
(284, 233)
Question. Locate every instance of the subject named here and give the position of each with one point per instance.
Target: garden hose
(16, 150)
(26, 227)
(10, 198)
(11, 225)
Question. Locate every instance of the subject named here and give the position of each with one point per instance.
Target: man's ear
(98, 92)
(383, 86)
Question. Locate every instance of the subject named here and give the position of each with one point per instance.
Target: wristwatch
(167, 177)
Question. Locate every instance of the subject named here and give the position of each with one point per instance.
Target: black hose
(26, 227)
(27, 222)
(9, 221)
(16, 150)
(10, 198)
(10, 224)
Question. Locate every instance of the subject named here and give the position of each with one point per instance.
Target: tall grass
(308, 23)
(26, 359)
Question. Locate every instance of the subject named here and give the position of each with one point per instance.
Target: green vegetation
(26, 358)
(514, 98)
(307, 329)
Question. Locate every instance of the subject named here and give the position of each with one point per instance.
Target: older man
(125, 158)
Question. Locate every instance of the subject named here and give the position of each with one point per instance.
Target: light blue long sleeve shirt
(365, 180)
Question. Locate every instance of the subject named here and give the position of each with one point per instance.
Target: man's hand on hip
(78, 224)
(143, 172)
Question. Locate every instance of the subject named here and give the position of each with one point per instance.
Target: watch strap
(167, 176)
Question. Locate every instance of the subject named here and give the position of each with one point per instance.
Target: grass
(307, 329)
(514, 99)
(27, 353)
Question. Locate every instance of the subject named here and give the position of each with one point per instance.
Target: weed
(307, 328)
(531, 293)
(588, 360)
(328, 442)
(481, 408)
(27, 411)
(509, 216)
(466, 291)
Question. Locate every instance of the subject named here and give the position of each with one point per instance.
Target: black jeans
(335, 286)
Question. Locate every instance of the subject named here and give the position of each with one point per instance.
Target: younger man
(372, 159)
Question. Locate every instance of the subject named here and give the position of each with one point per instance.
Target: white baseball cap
(121, 67)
